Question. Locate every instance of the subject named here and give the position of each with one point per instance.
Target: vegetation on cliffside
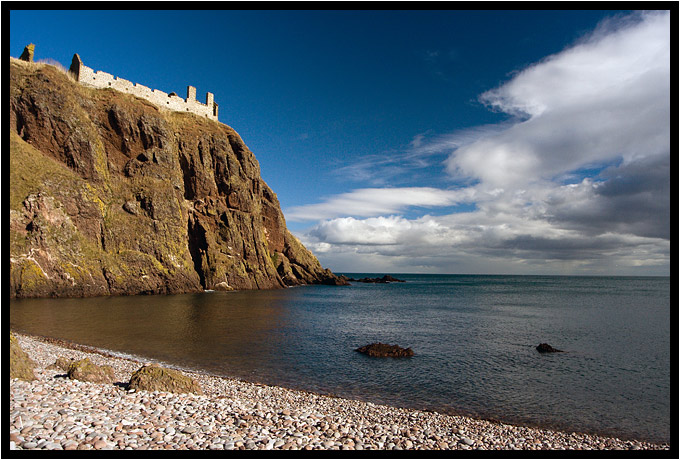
(110, 195)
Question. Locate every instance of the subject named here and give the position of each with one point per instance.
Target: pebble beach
(57, 413)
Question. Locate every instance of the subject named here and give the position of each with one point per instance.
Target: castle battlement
(99, 79)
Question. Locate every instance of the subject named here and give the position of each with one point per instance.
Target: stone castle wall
(99, 79)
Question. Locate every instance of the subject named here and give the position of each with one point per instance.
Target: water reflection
(225, 330)
(473, 337)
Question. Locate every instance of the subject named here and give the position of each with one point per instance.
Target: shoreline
(50, 413)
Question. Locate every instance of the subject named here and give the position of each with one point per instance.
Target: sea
(474, 339)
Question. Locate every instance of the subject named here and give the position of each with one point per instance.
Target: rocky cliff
(110, 196)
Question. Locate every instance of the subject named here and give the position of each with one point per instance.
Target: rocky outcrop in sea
(384, 350)
(383, 280)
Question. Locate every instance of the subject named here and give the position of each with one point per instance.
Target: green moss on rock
(20, 365)
(86, 371)
(156, 378)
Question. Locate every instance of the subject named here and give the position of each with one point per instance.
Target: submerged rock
(20, 365)
(383, 350)
(545, 348)
(86, 371)
(156, 378)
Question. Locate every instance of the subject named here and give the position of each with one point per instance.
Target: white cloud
(607, 97)
(417, 140)
(602, 104)
(378, 201)
(478, 243)
(391, 230)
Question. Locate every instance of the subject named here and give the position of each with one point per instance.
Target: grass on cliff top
(30, 169)
(40, 64)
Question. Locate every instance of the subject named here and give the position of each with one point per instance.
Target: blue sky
(424, 141)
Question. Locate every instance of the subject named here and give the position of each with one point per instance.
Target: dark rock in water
(390, 279)
(156, 378)
(342, 280)
(330, 279)
(545, 348)
(384, 279)
(383, 350)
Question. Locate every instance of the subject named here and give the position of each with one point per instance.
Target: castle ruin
(172, 101)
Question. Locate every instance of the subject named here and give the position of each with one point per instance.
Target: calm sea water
(473, 337)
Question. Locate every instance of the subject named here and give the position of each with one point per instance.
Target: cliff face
(109, 195)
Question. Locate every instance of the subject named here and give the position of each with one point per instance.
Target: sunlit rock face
(111, 196)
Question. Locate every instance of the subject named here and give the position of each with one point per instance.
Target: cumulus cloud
(478, 243)
(577, 182)
(607, 97)
(633, 198)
